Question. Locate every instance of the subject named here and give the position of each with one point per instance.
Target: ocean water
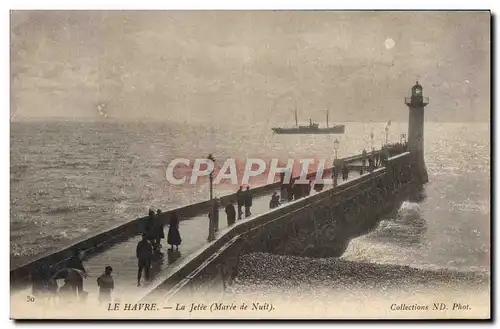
(70, 180)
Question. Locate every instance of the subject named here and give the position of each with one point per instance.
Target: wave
(408, 226)
(97, 196)
(67, 209)
(99, 165)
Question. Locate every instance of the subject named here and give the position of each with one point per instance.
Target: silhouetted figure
(345, 172)
(248, 202)
(149, 225)
(106, 285)
(335, 174)
(39, 281)
(284, 192)
(297, 190)
(174, 237)
(385, 157)
(76, 262)
(144, 254)
(282, 183)
(240, 198)
(159, 233)
(275, 201)
(282, 178)
(371, 164)
(307, 189)
(290, 189)
(230, 213)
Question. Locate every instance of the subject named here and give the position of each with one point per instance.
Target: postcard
(250, 164)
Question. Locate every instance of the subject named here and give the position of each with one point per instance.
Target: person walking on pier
(39, 281)
(230, 213)
(308, 189)
(240, 198)
(282, 184)
(248, 202)
(385, 156)
(284, 192)
(290, 190)
(149, 225)
(76, 262)
(371, 164)
(144, 254)
(174, 237)
(297, 190)
(275, 201)
(158, 231)
(335, 173)
(106, 285)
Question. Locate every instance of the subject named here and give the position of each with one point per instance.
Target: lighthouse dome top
(417, 96)
(417, 89)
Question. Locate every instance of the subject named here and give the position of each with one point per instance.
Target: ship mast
(326, 118)
(296, 121)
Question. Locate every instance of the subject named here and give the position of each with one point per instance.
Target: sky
(248, 66)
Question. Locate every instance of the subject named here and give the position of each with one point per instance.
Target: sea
(70, 180)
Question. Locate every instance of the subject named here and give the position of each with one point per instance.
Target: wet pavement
(194, 233)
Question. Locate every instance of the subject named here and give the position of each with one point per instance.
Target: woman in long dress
(174, 237)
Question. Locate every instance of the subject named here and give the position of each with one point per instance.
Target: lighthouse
(416, 104)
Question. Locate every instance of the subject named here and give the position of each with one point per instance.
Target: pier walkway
(194, 232)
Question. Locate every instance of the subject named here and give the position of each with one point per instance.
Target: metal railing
(416, 100)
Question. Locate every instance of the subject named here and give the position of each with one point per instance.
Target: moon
(389, 43)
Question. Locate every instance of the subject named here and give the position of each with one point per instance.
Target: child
(106, 285)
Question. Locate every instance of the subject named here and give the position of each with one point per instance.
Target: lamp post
(211, 226)
(336, 148)
(371, 141)
(386, 135)
(335, 162)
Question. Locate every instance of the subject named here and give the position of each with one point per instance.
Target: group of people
(243, 200)
(150, 245)
(44, 280)
(293, 190)
(340, 168)
(377, 159)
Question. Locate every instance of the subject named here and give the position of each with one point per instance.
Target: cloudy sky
(253, 66)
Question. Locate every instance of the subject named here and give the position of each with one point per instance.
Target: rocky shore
(275, 273)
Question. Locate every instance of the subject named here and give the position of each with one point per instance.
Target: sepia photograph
(250, 164)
